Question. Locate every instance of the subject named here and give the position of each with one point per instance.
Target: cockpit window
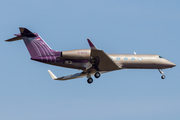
(160, 57)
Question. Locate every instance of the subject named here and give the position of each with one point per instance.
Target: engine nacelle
(76, 54)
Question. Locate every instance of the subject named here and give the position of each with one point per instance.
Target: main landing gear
(90, 80)
(163, 76)
(97, 75)
(94, 61)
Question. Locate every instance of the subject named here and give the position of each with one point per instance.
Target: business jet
(92, 62)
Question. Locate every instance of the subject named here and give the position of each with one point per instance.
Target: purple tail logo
(35, 44)
(37, 48)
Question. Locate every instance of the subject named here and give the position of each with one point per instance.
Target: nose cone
(166, 63)
(172, 64)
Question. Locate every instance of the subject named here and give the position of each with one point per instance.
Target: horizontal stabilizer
(24, 33)
(14, 39)
(73, 76)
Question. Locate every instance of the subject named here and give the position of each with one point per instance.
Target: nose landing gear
(163, 76)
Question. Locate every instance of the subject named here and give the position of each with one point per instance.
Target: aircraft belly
(75, 64)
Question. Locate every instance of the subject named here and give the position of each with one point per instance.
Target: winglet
(52, 75)
(91, 44)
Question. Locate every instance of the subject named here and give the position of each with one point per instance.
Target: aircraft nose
(172, 64)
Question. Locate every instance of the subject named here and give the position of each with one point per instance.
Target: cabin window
(132, 58)
(118, 58)
(140, 59)
(160, 57)
(125, 58)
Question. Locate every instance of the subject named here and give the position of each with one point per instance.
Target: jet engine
(76, 54)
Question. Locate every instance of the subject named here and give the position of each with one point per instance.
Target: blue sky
(116, 26)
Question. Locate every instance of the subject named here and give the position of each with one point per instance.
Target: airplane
(91, 61)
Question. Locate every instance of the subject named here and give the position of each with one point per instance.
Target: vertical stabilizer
(35, 44)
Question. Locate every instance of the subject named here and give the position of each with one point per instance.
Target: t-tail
(37, 47)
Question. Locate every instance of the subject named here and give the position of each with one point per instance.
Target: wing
(73, 76)
(105, 63)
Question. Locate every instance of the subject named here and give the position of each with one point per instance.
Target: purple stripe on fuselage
(58, 60)
(41, 49)
(36, 48)
(32, 49)
(76, 64)
(44, 45)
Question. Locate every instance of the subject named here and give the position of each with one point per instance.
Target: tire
(97, 75)
(163, 76)
(90, 80)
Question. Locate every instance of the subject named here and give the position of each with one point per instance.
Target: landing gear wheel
(97, 75)
(163, 76)
(90, 80)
